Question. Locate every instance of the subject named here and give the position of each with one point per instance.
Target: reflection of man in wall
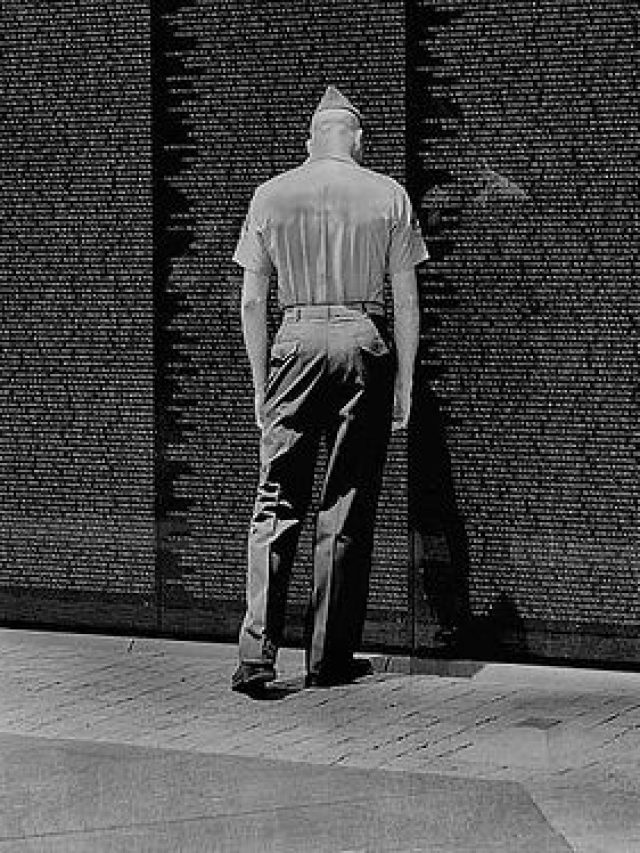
(480, 219)
(332, 230)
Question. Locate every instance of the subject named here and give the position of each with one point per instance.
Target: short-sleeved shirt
(332, 230)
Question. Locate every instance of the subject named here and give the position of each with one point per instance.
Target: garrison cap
(335, 100)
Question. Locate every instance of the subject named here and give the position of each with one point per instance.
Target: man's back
(327, 228)
(332, 231)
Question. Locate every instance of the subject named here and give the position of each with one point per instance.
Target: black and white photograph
(319, 490)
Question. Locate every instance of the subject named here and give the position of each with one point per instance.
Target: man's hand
(401, 407)
(258, 404)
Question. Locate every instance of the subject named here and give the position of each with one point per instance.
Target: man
(332, 230)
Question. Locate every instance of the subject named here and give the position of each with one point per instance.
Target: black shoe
(344, 674)
(251, 678)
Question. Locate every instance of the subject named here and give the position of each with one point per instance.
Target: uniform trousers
(331, 375)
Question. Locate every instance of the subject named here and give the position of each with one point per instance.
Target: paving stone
(539, 726)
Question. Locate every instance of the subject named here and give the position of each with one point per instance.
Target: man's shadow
(441, 547)
(445, 625)
(457, 212)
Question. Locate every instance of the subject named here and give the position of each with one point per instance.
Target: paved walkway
(109, 743)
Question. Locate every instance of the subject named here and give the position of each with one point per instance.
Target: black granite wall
(76, 373)
(128, 458)
(524, 447)
(244, 79)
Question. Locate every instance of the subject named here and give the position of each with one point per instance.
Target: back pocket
(282, 356)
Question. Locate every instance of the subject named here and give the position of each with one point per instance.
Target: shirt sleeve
(251, 252)
(406, 247)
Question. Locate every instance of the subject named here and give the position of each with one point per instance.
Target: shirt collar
(345, 158)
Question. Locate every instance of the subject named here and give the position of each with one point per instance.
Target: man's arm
(406, 326)
(255, 289)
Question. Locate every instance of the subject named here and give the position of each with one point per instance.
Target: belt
(325, 311)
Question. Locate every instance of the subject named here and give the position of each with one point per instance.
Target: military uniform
(332, 230)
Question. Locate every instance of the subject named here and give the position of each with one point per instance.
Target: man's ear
(308, 143)
(357, 145)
